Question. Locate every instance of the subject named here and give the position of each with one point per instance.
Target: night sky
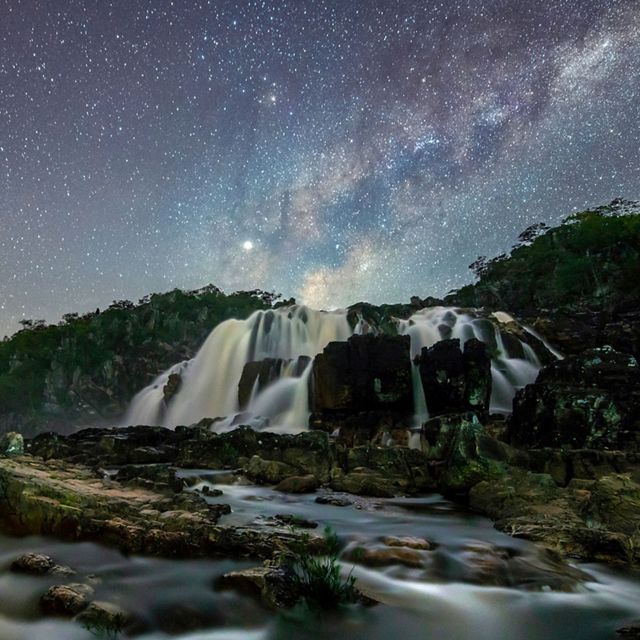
(333, 151)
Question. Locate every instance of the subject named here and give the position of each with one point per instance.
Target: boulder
(298, 484)
(103, 618)
(591, 400)
(66, 599)
(38, 564)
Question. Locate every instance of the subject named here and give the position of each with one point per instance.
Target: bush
(318, 579)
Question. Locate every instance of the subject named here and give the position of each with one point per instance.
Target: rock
(38, 564)
(268, 471)
(465, 454)
(336, 501)
(365, 482)
(455, 381)
(294, 521)
(275, 586)
(363, 373)
(489, 565)
(298, 484)
(477, 376)
(103, 617)
(442, 374)
(384, 556)
(33, 564)
(171, 388)
(585, 520)
(591, 400)
(11, 444)
(66, 599)
(408, 542)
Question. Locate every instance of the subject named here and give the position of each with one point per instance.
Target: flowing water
(209, 386)
(445, 597)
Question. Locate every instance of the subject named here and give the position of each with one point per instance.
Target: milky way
(333, 151)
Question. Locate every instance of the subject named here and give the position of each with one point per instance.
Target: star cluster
(333, 150)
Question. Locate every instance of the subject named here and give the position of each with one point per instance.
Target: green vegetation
(318, 579)
(592, 258)
(100, 359)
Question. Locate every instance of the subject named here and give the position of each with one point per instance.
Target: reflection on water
(444, 597)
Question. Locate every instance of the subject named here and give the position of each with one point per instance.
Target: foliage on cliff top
(156, 330)
(592, 258)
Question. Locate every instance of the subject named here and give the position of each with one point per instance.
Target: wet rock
(393, 469)
(294, 521)
(32, 563)
(298, 484)
(488, 564)
(385, 556)
(336, 501)
(104, 617)
(171, 388)
(274, 586)
(463, 453)
(268, 471)
(588, 520)
(365, 482)
(38, 564)
(11, 444)
(591, 400)
(408, 542)
(66, 599)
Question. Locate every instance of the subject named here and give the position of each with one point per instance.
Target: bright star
(247, 245)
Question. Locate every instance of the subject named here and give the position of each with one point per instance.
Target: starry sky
(331, 150)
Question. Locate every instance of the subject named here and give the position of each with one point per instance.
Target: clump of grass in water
(318, 579)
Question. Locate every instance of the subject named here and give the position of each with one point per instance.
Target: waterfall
(509, 371)
(209, 387)
(209, 382)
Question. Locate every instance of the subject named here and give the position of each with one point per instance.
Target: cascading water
(209, 382)
(209, 386)
(509, 371)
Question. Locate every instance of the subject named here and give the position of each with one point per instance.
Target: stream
(473, 581)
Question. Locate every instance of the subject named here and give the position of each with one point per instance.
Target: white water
(209, 386)
(210, 381)
(509, 373)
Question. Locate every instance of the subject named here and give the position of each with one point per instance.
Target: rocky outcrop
(589, 520)
(69, 501)
(454, 380)
(591, 400)
(574, 329)
(362, 388)
(366, 372)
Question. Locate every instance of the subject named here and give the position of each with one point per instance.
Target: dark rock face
(591, 400)
(363, 388)
(442, 375)
(573, 330)
(364, 373)
(454, 380)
